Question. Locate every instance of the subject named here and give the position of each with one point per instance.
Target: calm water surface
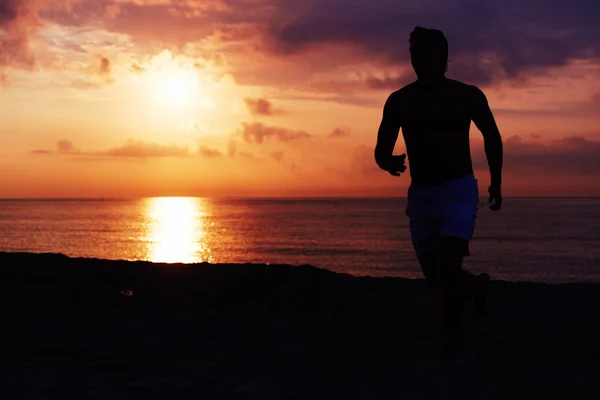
(546, 239)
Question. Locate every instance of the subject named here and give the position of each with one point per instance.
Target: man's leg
(453, 287)
(443, 272)
(428, 263)
(424, 232)
(441, 263)
(456, 284)
(442, 268)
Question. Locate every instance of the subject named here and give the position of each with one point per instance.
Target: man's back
(435, 119)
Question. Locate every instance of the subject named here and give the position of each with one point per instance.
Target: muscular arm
(387, 135)
(485, 122)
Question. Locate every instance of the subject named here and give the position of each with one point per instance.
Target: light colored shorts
(449, 209)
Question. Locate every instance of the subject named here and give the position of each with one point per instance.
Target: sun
(177, 91)
(173, 87)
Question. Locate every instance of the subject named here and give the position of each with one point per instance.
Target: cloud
(340, 132)
(494, 39)
(131, 149)
(174, 22)
(139, 149)
(209, 152)
(460, 70)
(104, 68)
(18, 19)
(523, 156)
(136, 68)
(64, 146)
(277, 156)
(259, 133)
(388, 82)
(247, 155)
(489, 40)
(261, 107)
(569, 155)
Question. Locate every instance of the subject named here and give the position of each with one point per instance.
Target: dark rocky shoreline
(278, 332)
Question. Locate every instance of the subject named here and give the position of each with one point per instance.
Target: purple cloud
(488, 39)
(569, 155)
(17, 19)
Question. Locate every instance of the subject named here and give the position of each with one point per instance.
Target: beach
(279, 332)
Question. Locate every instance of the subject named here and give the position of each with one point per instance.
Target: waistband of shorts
(457, 181)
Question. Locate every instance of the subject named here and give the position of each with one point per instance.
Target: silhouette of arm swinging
(386, 141)
(485, 122)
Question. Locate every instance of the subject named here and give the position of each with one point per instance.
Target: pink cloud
(139, 149)
(340, 132)
(572, 155)
(497, 42)
(261, 107)
(277, 156)
(259, 133)
(131, 149)
(18, 19)
(64, 146)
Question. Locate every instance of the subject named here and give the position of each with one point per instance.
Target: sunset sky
(128, 98)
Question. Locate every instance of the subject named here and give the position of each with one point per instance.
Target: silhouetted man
(435, 115)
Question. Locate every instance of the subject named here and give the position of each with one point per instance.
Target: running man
(435, 115)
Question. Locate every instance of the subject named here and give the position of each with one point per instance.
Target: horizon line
(114, 198)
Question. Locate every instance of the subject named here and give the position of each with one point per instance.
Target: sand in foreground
(278, 332)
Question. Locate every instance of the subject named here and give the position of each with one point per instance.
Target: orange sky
(128, 98)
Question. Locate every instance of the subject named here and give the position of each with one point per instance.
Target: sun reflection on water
(176, 230)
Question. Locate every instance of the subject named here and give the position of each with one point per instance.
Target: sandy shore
(279, 332)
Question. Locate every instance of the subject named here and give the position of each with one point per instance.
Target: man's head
(428, 52)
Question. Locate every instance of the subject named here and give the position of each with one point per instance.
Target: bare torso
(435, 121)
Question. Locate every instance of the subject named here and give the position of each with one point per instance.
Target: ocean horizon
(96, 198)
(538, 239)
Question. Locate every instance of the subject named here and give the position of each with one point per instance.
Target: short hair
(430, 40)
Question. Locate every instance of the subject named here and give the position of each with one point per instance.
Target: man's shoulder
(402, 93)
(465, 88)
(407, 88)
(461, 89)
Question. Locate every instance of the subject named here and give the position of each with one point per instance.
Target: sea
(551, 240)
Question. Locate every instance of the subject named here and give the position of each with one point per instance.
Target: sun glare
(177, 91)
(173, 85)
(176, 231)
